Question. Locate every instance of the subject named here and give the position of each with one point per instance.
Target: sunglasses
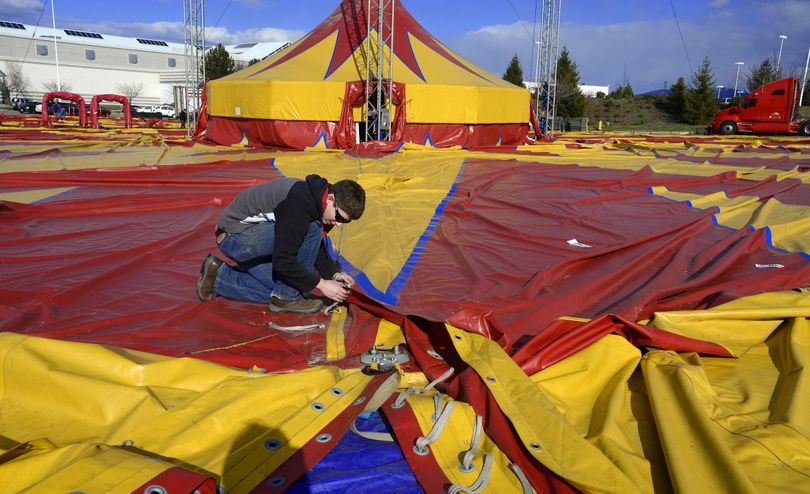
(339, 217)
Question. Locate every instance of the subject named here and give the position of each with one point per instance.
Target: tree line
(695, 103)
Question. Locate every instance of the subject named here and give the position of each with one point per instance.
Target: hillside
(641, 112)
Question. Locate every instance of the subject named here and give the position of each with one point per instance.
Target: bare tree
(130, 89)
(53, 86)
(16, 82)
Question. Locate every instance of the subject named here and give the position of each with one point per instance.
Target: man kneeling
(275, 232)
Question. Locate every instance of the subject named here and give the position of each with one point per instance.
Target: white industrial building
(94, 63)
(588, 90)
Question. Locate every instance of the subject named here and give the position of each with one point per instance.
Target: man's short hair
(350, 197)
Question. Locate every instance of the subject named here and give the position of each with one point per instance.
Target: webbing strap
(524, 482)
(408, 392)
(479, 483)
(436, 430)
(469, 456)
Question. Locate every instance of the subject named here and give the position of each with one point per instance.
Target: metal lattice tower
(379, 70)
(194, 40)
(547, 65)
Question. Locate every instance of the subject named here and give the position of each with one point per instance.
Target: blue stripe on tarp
(769, 240)
(391, 295)
(274, 167)
(44, 199)
(322, 137)
(766, 229)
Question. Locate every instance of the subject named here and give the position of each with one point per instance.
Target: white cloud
(20, 4)
(652, 51)
(716, 4)
(25, 11)
(173, 31)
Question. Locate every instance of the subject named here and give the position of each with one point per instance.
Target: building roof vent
(12, 25)
(152, 42)
(83, 34)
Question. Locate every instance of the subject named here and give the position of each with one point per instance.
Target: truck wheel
(728, 128)
(805, 129)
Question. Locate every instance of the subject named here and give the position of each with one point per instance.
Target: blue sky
(607, 39)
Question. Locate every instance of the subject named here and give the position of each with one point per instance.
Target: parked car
(164, 110)
(25, 105)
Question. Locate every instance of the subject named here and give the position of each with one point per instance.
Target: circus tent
(312, 93)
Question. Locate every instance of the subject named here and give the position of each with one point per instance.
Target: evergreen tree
(253, 61)
(676, 101)
(570, 100)
(622, 91)
(218, 63)
(701, 102)
(514, 72)
(762, 74)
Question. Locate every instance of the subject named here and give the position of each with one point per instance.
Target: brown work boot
(302, 306)
(208, 275)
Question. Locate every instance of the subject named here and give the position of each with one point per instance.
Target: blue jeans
(252, 279)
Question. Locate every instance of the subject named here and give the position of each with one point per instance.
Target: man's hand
(344, 278)
(335, 290)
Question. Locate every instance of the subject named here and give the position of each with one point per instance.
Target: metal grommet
(337, 391)
(129, 443)
(318, 406)
(535, 446)
(457, 336)
(155, 489)
(276, 481)
(396, 405)
(491, 379)
(272, 444)
(435, 354)
(464, 469)
(359, 401)
(323, 438)
(423, 451)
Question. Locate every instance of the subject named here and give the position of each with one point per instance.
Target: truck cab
(771, 109)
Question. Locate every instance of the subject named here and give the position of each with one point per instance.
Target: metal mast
(194, 40)
(547, 65)
(379, 70)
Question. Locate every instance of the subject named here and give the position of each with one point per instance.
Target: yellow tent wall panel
(466, 104)
(277, 100)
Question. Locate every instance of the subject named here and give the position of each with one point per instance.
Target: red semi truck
(771, 109)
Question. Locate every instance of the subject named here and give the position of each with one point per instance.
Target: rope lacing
(524, 482)
(296, 329)
(408, 392)
(479, 483)
(469, 456)
(422, 443)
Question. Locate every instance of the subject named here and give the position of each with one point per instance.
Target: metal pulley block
(384, 360)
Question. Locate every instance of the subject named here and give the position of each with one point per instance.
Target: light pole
(718, 91)
(782, 39)
(537, 82)
(737, 77)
